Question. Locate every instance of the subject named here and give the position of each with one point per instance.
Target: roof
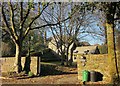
(84, 44)
(87, 50)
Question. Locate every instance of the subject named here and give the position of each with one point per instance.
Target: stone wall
(7, 64)
(118, 60)
(98, 63)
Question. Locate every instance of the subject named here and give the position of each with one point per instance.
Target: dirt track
(56, 79)
(70, 79)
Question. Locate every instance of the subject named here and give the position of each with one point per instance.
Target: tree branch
(38, 15)
(26, 32)
(28, 29)
(6, 31)
(21, 11)
(12, 22)
(23, 21)
(50, 24)
(5, 20)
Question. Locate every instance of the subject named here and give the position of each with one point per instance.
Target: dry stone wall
(7, 64)
(98, 63)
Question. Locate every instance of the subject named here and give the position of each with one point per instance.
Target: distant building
(84, 50)
(53, 46)
(87, 50)
(84, 44)
(79, 48)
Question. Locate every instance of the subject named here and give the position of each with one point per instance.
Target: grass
(51, 63)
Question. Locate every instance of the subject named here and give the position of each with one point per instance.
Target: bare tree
(67, 32)
(17, 19)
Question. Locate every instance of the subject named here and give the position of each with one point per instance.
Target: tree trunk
(45, 35)
(27, 63)
(105, 36)
(71, 54)
(27, 59)
(71, 57)
(62, 58)
(62, 61)
(17, 64)
(67, 56)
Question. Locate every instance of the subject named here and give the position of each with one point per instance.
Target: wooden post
(38, 65)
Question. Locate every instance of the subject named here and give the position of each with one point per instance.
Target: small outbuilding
(87, 50)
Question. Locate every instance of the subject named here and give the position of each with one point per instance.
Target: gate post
(38, 65)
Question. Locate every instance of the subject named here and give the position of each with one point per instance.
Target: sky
(92, 40)
(88, 39)
(94, 28)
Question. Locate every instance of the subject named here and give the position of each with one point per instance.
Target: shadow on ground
(56, 70)
(46, 70)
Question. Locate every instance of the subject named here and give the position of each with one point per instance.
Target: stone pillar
(111, 50)
(38, 65)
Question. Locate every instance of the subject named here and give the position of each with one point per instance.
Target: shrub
(30, 74)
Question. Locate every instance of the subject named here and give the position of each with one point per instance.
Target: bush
(30, 74)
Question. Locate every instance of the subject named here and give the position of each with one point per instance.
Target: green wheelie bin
(85, 75)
